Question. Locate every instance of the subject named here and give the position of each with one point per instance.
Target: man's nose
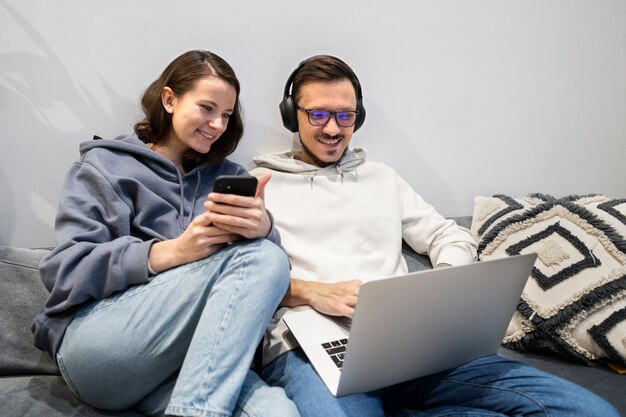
(331, 128)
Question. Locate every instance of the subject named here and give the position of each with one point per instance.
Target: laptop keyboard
(336, 350)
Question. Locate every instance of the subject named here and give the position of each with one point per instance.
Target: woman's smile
(206, 134)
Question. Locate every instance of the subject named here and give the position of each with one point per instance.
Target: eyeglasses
(321, 117)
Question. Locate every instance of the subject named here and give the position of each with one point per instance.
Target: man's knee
(259, 400)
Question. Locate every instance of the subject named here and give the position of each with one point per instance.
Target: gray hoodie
(118, 199)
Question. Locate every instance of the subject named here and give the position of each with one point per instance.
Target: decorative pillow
(575, 299)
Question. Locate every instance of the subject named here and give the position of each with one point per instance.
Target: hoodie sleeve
(95, 256)
(428, 232)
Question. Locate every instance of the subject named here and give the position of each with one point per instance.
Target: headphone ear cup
(360, 118)
(288, 113)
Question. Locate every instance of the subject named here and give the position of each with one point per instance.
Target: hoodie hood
(187, 184)
(287, 162)
(132, 145)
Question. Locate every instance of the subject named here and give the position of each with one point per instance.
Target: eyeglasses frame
(331, 114)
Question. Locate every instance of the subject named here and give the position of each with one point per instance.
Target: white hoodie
(347, 221)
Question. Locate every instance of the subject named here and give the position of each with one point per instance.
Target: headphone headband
(288, 108)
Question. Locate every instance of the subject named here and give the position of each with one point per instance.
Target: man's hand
(245, 216)
(335, 299)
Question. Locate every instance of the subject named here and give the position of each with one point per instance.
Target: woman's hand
(199, 240)
(244, 216)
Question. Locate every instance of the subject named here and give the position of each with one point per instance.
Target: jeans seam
(216, 342)
(65, 375)
(523, 394)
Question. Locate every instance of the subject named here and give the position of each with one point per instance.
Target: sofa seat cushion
(22, 294)
(599, 380)
(46, 395)
(575, 300)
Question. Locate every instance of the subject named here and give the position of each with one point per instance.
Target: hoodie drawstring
(193, 201)
(311, 177)
(340, 172)
(181, 209)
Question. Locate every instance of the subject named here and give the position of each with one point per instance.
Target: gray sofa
(30, 384)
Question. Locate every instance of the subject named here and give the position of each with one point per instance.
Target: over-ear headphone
(288, 109)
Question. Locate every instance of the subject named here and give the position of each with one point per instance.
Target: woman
(159, 289)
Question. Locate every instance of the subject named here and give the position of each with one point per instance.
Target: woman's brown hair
(181, 75)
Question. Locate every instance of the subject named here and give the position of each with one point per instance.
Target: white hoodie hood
(287, 162)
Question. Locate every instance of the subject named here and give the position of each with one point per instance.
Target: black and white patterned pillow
(575, 299)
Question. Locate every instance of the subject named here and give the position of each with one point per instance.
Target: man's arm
(335, 299)
(428, 232)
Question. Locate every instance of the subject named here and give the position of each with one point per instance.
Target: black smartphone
(236, 184)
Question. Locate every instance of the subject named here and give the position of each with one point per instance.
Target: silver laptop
(409, 326)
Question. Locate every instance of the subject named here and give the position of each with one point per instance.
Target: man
(342, 220)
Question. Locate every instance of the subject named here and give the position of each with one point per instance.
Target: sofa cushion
(575, 300)
(22, 294)
(46, 395)
(600, 380)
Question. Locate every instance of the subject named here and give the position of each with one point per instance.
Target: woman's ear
(167, 98)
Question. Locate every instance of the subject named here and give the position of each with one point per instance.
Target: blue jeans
(183, 343)
(489, 386)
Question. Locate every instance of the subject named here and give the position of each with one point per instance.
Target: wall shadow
(45, 112)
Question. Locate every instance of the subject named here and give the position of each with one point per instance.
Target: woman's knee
(271, 264)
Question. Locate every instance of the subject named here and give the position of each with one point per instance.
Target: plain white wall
(463, 98)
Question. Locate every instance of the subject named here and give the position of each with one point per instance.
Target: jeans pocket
(65, 375)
